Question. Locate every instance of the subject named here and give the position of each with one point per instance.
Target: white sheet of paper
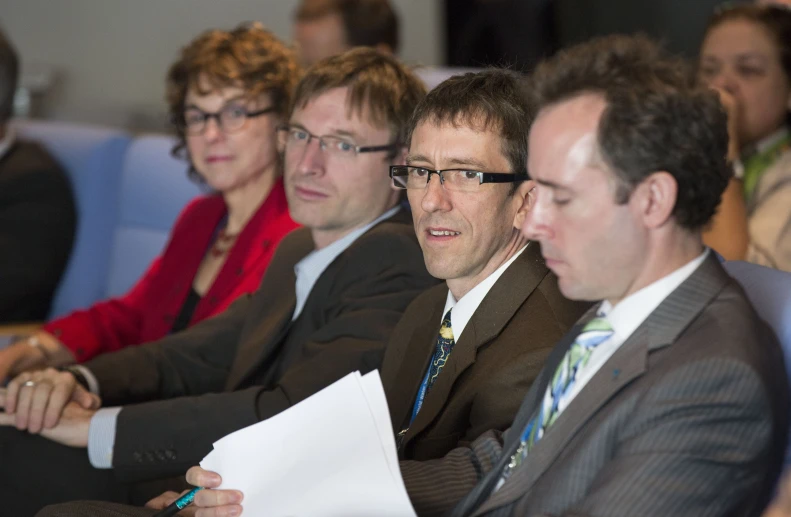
(332, 454)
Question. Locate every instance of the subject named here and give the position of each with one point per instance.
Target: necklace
(222, 243)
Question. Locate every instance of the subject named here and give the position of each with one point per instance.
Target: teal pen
(179, 504)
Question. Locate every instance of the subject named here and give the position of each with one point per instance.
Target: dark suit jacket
(252, 362)
(689, 417)
(492, 365)
(37, 224)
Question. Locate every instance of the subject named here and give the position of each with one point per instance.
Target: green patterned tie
(595, 332)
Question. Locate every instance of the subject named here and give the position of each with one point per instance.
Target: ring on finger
(29, 384)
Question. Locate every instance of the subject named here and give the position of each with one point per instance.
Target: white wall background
(110, 56)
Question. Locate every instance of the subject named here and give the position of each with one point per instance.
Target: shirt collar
(464, 308)
(630, 312)
(309, 269)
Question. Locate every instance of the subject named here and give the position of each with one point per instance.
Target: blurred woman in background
(746, 55)
(227, 93)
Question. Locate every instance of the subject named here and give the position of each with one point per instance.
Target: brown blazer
(492, 365)
(689, 417)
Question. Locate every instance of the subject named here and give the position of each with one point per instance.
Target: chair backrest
(92, 157)
(769, 290)
(154, 189)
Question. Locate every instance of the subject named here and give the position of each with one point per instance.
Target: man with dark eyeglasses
(465, 352)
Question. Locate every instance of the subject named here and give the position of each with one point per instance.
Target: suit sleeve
(37, 222)
(704, 427)
(191, 362)
(457, 473)
(376, 281)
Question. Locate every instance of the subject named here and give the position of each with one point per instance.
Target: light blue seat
(154, 189)
(769, 290)
(92, 157)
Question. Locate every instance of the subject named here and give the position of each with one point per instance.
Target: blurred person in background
(37, 214)
(746, 55)
(324, 28)
(227, 93)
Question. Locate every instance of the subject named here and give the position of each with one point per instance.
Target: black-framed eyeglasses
(460, 180)
(229, 119)
(295, 138)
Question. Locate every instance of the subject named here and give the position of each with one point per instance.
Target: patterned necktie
(442, 351)
(595, 332)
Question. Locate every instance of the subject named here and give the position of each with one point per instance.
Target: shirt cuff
(101, 437)
(93, 383)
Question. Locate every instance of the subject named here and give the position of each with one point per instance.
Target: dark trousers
(36, 472)
(94, 509)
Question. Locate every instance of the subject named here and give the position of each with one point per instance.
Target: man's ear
(655, 198)
(525, 197)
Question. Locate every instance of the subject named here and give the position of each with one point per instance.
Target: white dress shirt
(101, 433)
(625, 317)
(464, 308)
(309, 269)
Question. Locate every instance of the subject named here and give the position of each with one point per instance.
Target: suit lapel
(497, 308)
(415, 359)
(271, 309)
(628, 363)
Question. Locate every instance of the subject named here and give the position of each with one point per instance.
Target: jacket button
(160, 455)
(170, 454)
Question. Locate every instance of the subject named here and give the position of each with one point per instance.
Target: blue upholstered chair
(769, 290)
(154, 189)
(92, 157)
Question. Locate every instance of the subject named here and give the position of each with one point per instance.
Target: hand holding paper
(332, 454)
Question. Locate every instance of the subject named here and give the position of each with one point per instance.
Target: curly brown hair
(248, 57)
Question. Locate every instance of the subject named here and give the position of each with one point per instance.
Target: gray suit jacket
(189, 389)
(688, 418)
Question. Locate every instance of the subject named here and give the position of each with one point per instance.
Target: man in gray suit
(670, 396)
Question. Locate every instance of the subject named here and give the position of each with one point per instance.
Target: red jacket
(147, 312)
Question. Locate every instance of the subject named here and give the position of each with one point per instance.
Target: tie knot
(598, 323)
(446, 330)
